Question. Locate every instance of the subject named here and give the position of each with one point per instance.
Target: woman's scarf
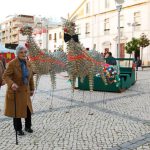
(25, 72)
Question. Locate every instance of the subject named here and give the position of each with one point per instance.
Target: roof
(72, 15)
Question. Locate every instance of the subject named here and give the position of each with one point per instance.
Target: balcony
(106, 31)
(3, 35)
(15, 25)
(14, 32)
(14, 39)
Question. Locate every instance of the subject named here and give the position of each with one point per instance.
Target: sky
(45, 8)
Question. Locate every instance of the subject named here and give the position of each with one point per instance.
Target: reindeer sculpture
(80, 63)
(41, 62)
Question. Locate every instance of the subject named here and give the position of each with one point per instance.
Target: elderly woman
(19, 79)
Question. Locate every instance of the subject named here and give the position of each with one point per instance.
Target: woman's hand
(14, 86)
(31, 93)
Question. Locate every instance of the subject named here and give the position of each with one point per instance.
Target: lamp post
(46, 24)
(43, 23)
(40, 26)
(47, 36)
(119, 7)
(133, 25)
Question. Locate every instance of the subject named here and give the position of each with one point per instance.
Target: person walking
(138, 63)
(19, 79)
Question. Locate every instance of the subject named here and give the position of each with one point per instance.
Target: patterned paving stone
(119, 120)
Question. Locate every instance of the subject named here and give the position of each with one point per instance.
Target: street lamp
(46, 24)
(119, 7)
(43, 24)
(39, 26)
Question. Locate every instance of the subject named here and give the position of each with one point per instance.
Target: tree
(132, 46)
(144, 42)
(60, 48)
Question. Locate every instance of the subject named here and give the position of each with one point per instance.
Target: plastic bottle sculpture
(80, 63)
(41, 62)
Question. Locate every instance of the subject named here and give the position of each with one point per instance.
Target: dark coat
(111, 60)
(138, 63)
(2, 68)
(13, 74)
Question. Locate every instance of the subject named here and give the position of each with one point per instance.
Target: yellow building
(97, 24)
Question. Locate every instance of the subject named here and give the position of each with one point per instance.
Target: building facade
(10, 29)
(97, 24)
(48, 33)
(56, 39)
(40, 36)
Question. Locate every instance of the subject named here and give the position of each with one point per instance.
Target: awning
(5, 50)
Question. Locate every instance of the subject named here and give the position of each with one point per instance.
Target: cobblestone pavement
(120, 121)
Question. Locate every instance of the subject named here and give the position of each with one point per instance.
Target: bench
(145, 67)
(126, 80)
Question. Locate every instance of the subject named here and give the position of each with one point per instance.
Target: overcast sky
(47, 8)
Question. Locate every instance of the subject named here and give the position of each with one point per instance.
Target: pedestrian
(138, 63)
(3, 61)
(2, 68)
(106, 52)
(19, 79)
(110, 59)
(102, 54)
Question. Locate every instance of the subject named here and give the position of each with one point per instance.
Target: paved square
(120, 121)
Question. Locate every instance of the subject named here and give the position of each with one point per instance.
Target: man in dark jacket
(138, 63)
(110, 60)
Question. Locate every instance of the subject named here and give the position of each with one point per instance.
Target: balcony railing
(14, 32)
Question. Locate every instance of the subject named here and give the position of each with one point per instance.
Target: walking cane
(15, 115)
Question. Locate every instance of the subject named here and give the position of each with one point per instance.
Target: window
(122, 50)
(87, 8)
(55, 37)
(94, 46)
(87, 28)
(106, 26)
(107, 3)
(121, 25)
(60, 35)
(121, 21)
(78, 29)
(137, 21)
(50, 36)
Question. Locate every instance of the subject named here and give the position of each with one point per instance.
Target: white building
(47, 33)
(56, 40)
(40, 36)
(97, 22)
